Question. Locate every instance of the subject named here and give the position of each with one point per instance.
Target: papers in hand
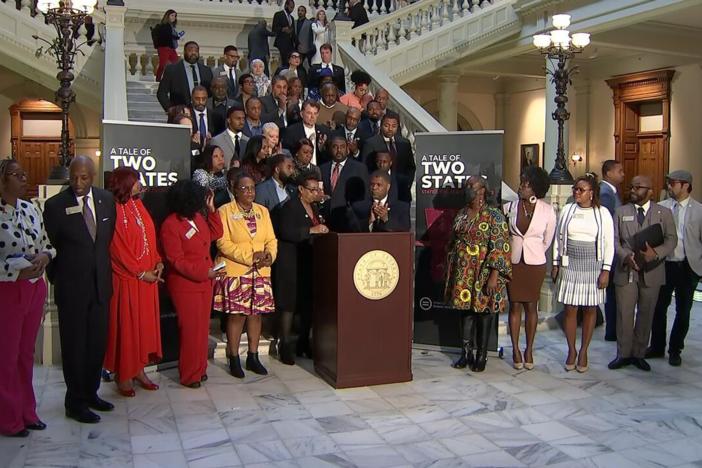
(20, 263)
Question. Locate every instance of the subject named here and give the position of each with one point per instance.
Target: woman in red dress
(186, 236)
(134, 334)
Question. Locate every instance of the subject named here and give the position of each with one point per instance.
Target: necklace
(140, 222)
(247, 213)
(526, 212)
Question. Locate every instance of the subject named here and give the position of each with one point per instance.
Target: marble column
(448, 100)
(551, 127)
(115, 84)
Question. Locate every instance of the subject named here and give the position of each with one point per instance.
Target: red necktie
(335, 175)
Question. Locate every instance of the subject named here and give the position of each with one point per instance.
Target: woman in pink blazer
(532, 223)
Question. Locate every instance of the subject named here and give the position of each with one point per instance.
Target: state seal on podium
(376, 275)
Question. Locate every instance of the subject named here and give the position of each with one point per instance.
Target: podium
(363, 308)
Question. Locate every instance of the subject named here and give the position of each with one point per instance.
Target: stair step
(141, 92)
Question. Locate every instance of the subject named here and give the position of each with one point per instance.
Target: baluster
(402, 32)
(419, 22)
(436, 16)
(142, 64)
(132, 60)
(154, 62)
(326, 4)
(444, 12)
(410, 26)
(392, 36)
(210, 62)
(373, 42)
(382, 38)
(455, 9)
(466, 7)
(427, 19)
(335, 6)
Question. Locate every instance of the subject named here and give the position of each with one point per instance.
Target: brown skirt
(525, 285)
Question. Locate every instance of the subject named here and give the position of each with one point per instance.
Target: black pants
(611, 309)
(682, 280)
(83, 330)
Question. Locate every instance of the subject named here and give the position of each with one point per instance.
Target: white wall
(686, 124)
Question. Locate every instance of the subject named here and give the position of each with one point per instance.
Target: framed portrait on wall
(529, 156)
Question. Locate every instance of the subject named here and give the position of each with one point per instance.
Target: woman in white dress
(320, 29)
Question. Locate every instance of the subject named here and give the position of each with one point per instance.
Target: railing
(406, 23)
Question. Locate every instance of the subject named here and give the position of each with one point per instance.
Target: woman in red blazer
(186, 236)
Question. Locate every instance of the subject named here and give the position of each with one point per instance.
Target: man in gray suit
(232, 141)
(612, 175)
(683, 269)
(277, 189)
(639, 275)
(303, 29)
(258, 44)
(229, 70)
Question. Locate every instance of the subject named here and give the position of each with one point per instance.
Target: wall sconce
(98, 153)
(576, 158)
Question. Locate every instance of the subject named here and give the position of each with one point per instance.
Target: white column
(115, 83)
(448, 100)
(551, 127)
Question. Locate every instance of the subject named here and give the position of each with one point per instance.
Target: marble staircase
(142, 104)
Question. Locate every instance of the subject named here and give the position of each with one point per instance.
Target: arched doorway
(36, 138)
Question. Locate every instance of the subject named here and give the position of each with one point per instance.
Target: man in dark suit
(357, 13)
(325, 51)
(369, 126)
(181, 77)
(639, 274)
(257, 40)
(275, 105)
(277, 188)
(612, 176)
(389, 140)
(350, 131)
(218, 105)
(202, 118)
(253, 125)
(229, 70)
(232, 141)
(305, 37)
(80, 222)
(345, 182)
(309, 129)
(400, 186)
(284, 29)
(380, 213)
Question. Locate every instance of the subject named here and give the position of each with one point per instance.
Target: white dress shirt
(311, 134)
(679, 210)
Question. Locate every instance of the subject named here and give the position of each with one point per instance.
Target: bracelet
(141, 275)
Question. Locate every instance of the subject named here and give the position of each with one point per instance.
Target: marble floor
(444, 418)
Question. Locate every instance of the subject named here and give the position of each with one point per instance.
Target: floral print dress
(477, 246)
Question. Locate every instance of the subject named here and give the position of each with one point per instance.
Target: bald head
(81, 175)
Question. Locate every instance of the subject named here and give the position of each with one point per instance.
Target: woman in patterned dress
(478, 270)
(248, 249)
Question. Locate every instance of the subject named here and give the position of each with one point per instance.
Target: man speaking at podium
(380, 213)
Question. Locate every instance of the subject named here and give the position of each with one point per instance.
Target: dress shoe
(610, 338)
(83, 416)
(204, 378)
(193, 385)
(641, 363)
(653, 354)
(254, 365)
(235, 367)
(98, 404)
(274, 347)
(126, 392)
(19, 434)
(36, 426)
(148, 385)
(675, 360)
(618, 363)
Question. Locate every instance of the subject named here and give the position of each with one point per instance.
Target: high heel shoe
(528, 365)
(254, 365)
(570, 367)
(582, 369)
(126, 392)
(515, 364)
(466, 358)
(147, 384)
(235, 367)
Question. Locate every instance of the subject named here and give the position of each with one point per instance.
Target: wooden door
(630, 145)
(37, 158)
(651, 162)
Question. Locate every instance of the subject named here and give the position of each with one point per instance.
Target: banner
(444, 162)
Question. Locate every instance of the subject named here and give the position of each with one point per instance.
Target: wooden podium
(363, 308)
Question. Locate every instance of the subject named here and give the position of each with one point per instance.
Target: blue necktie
(203, 127)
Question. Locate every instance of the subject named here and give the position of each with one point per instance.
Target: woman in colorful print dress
(478, 270)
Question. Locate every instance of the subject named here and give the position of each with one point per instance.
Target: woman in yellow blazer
(248, 248)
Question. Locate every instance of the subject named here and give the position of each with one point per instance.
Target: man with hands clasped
(639, 275)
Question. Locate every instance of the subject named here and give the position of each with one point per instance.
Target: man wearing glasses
(639, 274)
(229, 69)
(683, 269)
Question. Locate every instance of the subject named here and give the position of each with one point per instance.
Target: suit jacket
(305, 39)
(398, 217)
(219, 114)
(237, 245)
(625, 226)
(609, 198)
(404, 161)
(337, 76)
(81, 264)
(358, 14)
(188, 259)
(174, 88)
(257, 40)
(224, 141)
(352, 186)
(296, 132)
(211, 127)
(692, 232)
(400, 187)
(270, 112)
(301, 73)
(533, 243)
(366, 131)
(341, 131)
(284, 40)
(232, 86)
(267, 195)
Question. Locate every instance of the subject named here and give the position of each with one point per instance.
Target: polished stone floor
(444, 418)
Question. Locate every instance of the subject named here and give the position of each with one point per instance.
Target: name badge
(191, 232)
(564, 261)
(73, 210)
(627, 218)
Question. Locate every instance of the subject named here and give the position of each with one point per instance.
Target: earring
(532, 199)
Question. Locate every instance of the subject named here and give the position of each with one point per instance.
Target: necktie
(676, 213)
(88, 217)
(335, 175)
(392, 148)
(237, 146)
(196, 82)
(202, 128)
(232, 81)
(640, 216)
(349, 136)
(375, 127)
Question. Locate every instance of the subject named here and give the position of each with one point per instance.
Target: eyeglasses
(675, 181)
(247, 188)
(312, 189)
(580, 189)
(638, 187)
(295, 56)
(18, 174)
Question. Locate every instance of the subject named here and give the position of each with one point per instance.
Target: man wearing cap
(683, 269)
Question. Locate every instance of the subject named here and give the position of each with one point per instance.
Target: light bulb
(561, 21)
(580, 39)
